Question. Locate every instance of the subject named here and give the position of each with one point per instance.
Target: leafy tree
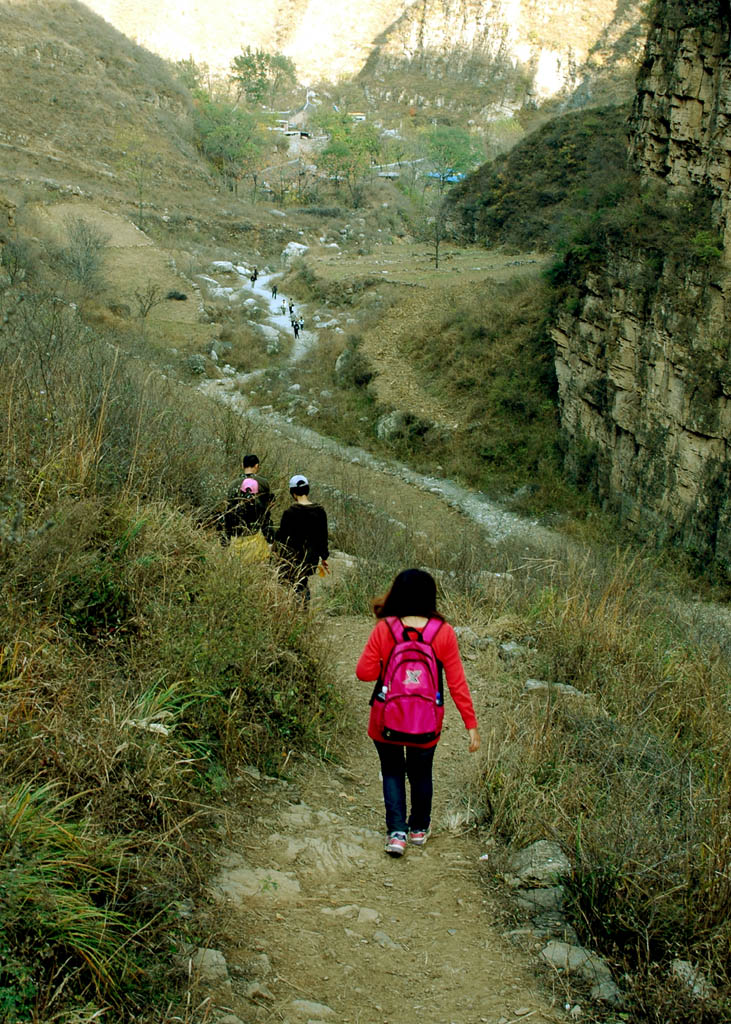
(262, 76)
(231, 139)
(449, 151)
(193, 76)
(140, 162)
(352, 149)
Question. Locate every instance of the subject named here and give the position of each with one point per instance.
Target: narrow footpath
(317, 923)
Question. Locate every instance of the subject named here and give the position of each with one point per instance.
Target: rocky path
(337, 460)
(317, 923)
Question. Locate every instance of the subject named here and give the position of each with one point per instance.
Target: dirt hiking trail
(317, 923)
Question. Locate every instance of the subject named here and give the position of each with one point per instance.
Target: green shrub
(71, 904)
(529, 198)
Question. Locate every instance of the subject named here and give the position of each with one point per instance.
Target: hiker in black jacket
(249, 503)
(301, 540)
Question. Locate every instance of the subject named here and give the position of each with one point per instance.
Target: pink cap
(249, 485)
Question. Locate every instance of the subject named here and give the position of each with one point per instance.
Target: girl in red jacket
(412, 600)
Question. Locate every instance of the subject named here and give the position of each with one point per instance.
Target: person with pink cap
(249, 504)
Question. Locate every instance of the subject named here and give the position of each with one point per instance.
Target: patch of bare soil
(422, 286)
(132, 263)
(318, 923)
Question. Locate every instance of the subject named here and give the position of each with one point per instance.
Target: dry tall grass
(141, 664)
(632, 779)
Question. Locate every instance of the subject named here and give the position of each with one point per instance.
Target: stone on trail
(239, 882)
(541, 863)
(349, 910)
(385, 941)
(368, 916)
(210, 966)
(307, 1008)
(258, 990)
(325, 856)
(589, 966)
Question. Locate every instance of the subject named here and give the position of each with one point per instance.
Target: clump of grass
(632, 778)
(141, 664)
(73, 917)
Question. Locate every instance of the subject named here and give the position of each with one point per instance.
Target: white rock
(541, 862)
(210, 966)
(692, 976)
(224, 266)
(308, 1008)
(293, 250)
(239, 882)
(590, 966)
(349, 910)
(531, 685)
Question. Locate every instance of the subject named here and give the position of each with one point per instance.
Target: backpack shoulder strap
(431, 629)
(391, 622)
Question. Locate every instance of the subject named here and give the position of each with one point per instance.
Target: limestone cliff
(510, 49)
(643, 355)
(517, 51)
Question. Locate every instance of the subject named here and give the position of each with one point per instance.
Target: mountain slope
(82, 105)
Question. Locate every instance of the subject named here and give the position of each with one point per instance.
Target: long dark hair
(413, 592)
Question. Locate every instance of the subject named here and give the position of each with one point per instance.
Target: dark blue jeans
(397, 764)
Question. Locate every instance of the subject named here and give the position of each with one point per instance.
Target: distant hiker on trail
(248, 509)
(405, 654)
(254, 275)
(284, 307)
(302, 323)
(291, 308)
(301, 540)
(274, 292)
(296, 328)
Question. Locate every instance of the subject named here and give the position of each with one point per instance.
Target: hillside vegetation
(143, 669)
(533, 196)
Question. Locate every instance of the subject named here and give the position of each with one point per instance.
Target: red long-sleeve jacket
(379, 646)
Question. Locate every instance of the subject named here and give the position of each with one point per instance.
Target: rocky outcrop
(514, 51)
(643, 358)
(447, 48)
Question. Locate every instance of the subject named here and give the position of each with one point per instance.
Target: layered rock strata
(643, 359)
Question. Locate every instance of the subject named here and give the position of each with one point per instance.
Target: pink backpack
(410, 686)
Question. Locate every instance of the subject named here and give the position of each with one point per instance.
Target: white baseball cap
(298, 481)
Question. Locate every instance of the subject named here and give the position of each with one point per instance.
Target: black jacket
(302, 535)
(248, 515)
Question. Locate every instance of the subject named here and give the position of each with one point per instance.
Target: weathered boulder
(541, 863)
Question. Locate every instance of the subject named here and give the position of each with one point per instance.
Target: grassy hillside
(140, 663)
(533, 196)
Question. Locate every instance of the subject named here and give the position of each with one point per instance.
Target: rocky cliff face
(644, 370)
(516, 50)
(509, 48)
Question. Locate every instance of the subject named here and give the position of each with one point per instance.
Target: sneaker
(419, 838)
(396, 844)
